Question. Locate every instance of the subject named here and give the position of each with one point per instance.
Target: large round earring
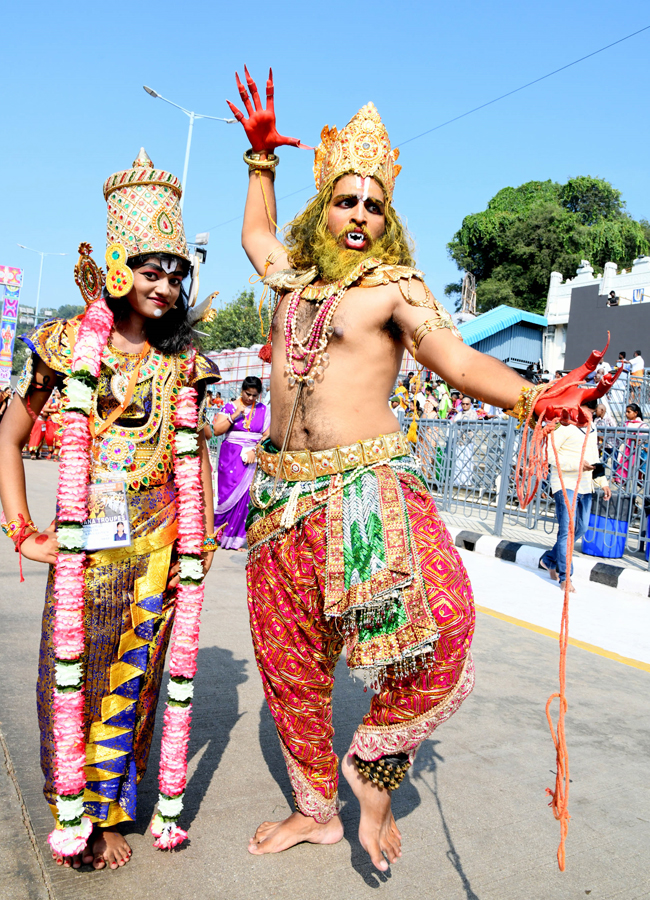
(119, 278)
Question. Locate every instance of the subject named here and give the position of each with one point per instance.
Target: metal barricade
(470, 469)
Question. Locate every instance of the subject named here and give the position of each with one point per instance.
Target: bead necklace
(311, 351)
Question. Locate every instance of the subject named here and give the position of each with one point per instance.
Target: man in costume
(346, 546)
(140, 432)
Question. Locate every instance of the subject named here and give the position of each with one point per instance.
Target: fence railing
(470, 468)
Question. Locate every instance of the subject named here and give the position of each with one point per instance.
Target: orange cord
(532, 465)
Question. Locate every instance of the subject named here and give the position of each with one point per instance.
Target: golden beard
(335, 262)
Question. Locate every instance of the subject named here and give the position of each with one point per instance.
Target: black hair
(251, 381)
(622, 354)
(171, 333)
(637, 353)
(590, 404)
(636, 409)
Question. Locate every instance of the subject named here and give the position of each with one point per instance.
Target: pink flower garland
(185, 635)
(73, 828)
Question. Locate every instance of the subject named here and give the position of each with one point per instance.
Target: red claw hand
(260, 124)
(564, 398)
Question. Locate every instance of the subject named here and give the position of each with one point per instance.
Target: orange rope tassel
(532, 465)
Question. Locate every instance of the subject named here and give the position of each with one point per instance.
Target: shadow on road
(428, 760)
(215, 712)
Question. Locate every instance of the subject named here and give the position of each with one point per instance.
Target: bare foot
(572, 590)
(107, 847)
(378, 832)
(68, 861)
(551, 571)
(273, 837)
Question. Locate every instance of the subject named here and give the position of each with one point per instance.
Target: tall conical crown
(362, 147)
(144, 213)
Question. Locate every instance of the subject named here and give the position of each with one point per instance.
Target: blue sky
(74, 112)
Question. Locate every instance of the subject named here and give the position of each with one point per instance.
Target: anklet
(387, 771)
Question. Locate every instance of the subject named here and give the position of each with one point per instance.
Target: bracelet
(255, 162)
(525, 402)
(210, 542)
(18, 529)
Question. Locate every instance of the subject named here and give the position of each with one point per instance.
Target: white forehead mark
(363, 184)
(168, 265)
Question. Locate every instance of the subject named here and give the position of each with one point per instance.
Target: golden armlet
(426, 328)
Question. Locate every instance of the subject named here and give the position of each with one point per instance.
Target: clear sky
(74, 111)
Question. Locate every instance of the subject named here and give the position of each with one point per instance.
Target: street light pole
(42, 254)
(192, 117)
(187, 159)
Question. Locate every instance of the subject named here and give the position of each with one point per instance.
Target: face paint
(157, 313)
(363, 184)
(168, 265)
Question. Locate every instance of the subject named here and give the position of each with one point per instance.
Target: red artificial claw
(564, 398)
(260, 125)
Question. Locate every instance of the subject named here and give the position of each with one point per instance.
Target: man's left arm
(476, 374)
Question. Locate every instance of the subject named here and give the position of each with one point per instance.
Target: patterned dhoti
(365, 562)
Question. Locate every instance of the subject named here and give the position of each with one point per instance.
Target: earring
(119, 278)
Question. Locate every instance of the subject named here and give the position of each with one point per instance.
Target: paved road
(473, 813)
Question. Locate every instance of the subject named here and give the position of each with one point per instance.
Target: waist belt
(306, 465)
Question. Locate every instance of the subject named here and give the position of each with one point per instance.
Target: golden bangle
(255, 162)
(13, 529)
(525, 402)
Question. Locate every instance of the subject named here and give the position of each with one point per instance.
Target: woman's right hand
(42, 547)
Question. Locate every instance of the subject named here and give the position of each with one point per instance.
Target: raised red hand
(260, 124)
(564, 398)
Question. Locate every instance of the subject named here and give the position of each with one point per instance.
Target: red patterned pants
(297, 647)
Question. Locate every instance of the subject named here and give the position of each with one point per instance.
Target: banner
(10, 283)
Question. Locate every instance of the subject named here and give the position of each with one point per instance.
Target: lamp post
(42, 254)
(192, 117)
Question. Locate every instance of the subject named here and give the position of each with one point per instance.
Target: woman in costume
(245, 423)
(133, 386)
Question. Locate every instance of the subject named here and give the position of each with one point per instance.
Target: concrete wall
(590, 321)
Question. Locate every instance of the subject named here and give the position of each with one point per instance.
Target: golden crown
(144, 213)
(361, 148)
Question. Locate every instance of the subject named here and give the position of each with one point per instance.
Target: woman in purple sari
(245, 423)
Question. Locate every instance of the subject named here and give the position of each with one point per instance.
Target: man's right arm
(258, 234)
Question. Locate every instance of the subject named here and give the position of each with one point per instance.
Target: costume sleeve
(205, 371)
(52, 343)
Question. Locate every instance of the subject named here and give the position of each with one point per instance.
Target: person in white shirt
(637, 365)
(568, 442)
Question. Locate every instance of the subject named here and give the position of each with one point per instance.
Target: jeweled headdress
(362, 147)
(144, 213)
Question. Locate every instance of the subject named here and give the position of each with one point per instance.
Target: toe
(99, 862)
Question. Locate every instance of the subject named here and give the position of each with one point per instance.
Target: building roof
(497, 319)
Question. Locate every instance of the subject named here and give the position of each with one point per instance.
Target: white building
(630, 287)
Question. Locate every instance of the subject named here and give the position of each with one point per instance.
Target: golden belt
(307, 465)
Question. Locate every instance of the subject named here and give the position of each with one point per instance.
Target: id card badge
(107, 526)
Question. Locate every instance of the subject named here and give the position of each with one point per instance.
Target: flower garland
(74, 828)
(185, 634)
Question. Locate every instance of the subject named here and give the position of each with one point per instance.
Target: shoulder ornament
(290, 279)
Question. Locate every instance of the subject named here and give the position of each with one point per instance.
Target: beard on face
(334, 261)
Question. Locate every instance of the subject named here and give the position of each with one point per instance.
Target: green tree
(540, 227)
(237, 324)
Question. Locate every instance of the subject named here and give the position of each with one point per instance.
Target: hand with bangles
(41, 546)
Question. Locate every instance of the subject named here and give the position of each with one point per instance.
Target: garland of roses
(74, 827)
